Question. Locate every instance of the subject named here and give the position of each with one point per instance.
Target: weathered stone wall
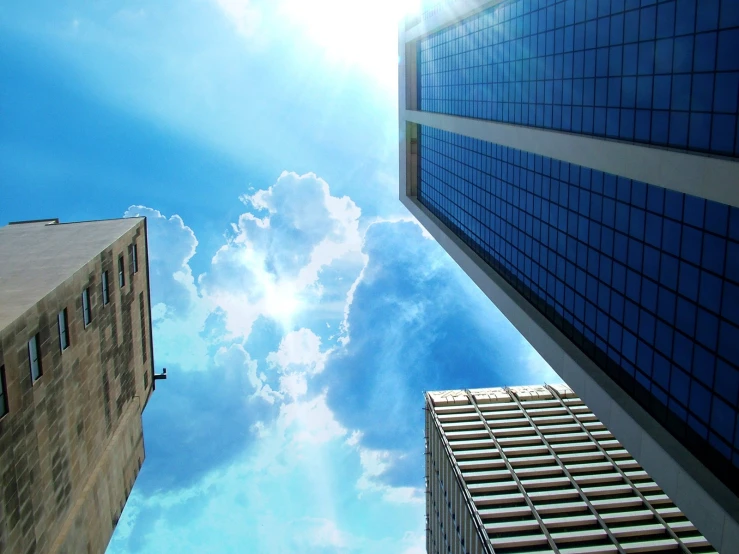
(72, 444)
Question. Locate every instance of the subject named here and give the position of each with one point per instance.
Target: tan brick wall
(61, 470)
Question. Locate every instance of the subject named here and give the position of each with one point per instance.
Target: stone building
(76, 372)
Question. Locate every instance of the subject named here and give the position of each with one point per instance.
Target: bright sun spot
(359, 33)
(281, 302)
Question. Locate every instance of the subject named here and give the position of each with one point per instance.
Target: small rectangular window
(86, 312)
(142, 318)
(34, 358)
(134, 257)
(121, 274)
(63, 329)
(106, 292)
(4, 407)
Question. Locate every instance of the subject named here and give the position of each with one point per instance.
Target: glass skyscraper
(578, 158)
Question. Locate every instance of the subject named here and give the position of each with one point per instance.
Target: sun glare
(281, 303)
(357, 33)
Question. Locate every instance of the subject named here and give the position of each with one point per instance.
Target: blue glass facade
(645, 280)
(655, 72)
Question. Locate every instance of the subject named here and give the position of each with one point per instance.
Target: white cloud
(294, 385)
(233, 362)
(172, 244)
(298, 249)
(270, 266)
(299, 351)
(259, 429)
(179, 312)
(285, 483)
(310, 421)
(374, 464)
(354, 438)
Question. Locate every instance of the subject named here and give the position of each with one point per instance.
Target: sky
(299, 309)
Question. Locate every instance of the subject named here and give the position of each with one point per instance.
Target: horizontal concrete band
(711, 178)
(699, 494)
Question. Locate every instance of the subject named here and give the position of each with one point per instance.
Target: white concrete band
(711, 178)
(707, 502)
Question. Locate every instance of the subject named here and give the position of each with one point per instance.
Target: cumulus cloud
(179, 312)
(310, 421)
(299, 351)
(374, 464)
(172, 244)
(233, 363)
(365, 316)
(254, 499)
(271, 263)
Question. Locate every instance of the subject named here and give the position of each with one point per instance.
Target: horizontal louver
(544, 472)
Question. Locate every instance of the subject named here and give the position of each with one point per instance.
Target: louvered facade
(533, 470)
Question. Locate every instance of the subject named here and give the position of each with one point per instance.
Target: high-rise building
(76, 371)
(579, 159)
(532, 469)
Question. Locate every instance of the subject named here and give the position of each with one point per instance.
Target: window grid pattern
(654, 72)
(643, 279)
(552, 442)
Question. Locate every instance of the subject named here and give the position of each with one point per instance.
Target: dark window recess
(134, 254)
(63, 329)
(143, 325)
(106, 291)
(4, 406)
(34, 358)
(121, 273)
(86, 310)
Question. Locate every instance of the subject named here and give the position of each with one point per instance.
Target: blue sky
(300, 311)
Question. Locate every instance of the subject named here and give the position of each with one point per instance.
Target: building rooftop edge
(498, 394)
(55, 220)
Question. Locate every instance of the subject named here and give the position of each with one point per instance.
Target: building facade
(579, 159)
(76, 371)
(532, 469)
